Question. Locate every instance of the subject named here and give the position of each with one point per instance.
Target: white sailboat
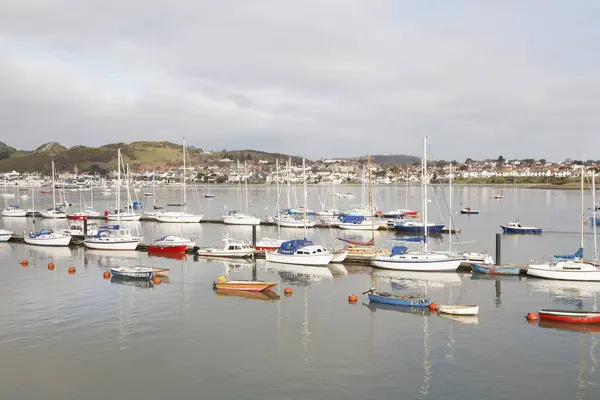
(181, 216)
(156, 211)
(114, 237)
(47, 236)
(235, 217)
(85, 211)
(5, 235)
(301, 251)
(572, 267)
(127, 213)
(287, 219)
(54, 212)
(402, 259)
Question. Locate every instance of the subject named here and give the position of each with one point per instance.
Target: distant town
(332, 171)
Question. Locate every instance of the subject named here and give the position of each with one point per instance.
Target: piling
(253, 235)
(85, 227)
(498, 248)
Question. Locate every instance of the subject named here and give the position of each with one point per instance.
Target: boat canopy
(291, 246)
(578, 254)
(102, 233)
(399, 250)
(353, 219)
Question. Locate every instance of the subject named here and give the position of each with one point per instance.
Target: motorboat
(5, 235)
(468, 210)
(300, 251)
(232, 249)
(235, 217)
(516, 227)
(14, 211)
(54, 213)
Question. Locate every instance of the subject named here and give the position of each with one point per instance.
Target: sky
(321, 78)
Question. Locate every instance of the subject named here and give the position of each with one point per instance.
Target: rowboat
(244, 286)
(468, 210)
(209, 196)
(498, 197)
(161, 272)
(264, 295)
(495, 270)
(161, 248)
(459, 309)
(516, 227)
(398, 300)
(573, 317)
(374, 306)
(143, 273)
(566, 326)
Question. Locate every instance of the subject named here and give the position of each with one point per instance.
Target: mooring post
(253, 235)
(85, 227)
(498, 248)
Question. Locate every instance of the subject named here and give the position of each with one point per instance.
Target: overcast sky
(323, 78)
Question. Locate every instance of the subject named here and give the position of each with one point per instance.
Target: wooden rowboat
(495, 270)
(244, 286)
(399, 300)
(161, 272)
(458, 309)
(572, 317)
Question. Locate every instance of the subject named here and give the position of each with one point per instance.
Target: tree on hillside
(4, 154)
(500, 160)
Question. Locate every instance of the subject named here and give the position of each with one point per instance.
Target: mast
(289, 183)
(406, 205)
(424, 189)
(371, 200)
(277, 182)
(305, 195)
(118, 187)
(246, 187)
(53, 198)
(582, 212)
(594, 216)
(450, 211)
(184, 194)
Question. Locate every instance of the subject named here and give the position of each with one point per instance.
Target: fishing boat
(243, 286)
(268, 244)
(516, 227)
(141, 273)
(458, 309)
(77, 229)
(5, 235)
(166, 248)
(14, 210)
(495, 269)
(232, 249)
(468, 210)
(570, 316)
(300, 252)
(398, 300)
(572, 267)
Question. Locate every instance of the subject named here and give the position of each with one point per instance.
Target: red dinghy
(154, 248)
(572, 317)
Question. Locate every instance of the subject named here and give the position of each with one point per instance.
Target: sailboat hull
(420, 264)
(177, 217)
(566, 271)
(241, 220)
(111, 243)
(53, 240)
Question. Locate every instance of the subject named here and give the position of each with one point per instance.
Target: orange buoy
(24, 262)
(352, 298)
(433, 307)
(156, 280)
(106, 275)
(288, 291)
(50, 266)
(71, 270)
(532, 316)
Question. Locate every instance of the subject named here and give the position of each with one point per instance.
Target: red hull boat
(167, 249)
(571, 317)
(77, 217)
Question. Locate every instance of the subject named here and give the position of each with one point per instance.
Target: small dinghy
(243, 286)
(568, 316)
(209, 196)
(458, 309)
(468, 210)
(143, 273)
(161, 272)
(398, 300)
(495, 269)
(516, 227)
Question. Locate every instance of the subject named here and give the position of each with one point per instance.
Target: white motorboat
(178, 217)
(77, 229)
(54, 213)
(235, 217)
(231, 249)
(14, 211)
(47, 237)
(360, 223)
(172, 240)
(339, 255)
(112, 239)
(300, 252)
(293, 221)
(5, 235)
(123, 216)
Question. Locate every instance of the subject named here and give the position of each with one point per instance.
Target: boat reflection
(568, 289)
(337, 269)
(133, 282)
(264, 295)
(299, 274)
(565, 326)
(172, 256)
(465, 319)
(404, 279)
(374, 306)
(47, 251)
(492, 277)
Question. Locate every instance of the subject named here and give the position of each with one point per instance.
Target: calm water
(82, 337)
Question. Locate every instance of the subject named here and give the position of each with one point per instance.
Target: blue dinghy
(399, 300)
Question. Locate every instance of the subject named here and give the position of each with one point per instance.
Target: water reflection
(374, 306)
(413, 278)
(299, 274)
(264, 295)
(465, 319)
(47, 251)
(172, 256)
(145, 284)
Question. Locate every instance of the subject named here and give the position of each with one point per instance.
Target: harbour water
(82, 337)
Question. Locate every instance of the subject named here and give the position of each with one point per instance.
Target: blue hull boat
(510, 229)
(134, 273)
(495, 270)
(418, 229)
(398, 300)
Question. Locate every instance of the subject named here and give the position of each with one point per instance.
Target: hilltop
(139, 155)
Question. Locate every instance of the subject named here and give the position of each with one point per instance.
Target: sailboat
(54, 212)
(114, 237)
(402, 259)
(85, 212)
(181, 216)
(235, 217)
(47, 236)
(127, 213)
(301, 251)
(572, 267)
(6, 194)
(287, 218)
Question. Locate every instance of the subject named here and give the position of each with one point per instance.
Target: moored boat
(14, 211)
(264, 295)
(267, 244)
(301, 252)
(468, 210)
(5, 235)
(161, 272)
(495, 269)
(398, 300)
(166, 248)
(47, 237)
(231, 249)
(570, 316)
(516, 227)
(243, 286)
(142, 273)
(458, 309)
